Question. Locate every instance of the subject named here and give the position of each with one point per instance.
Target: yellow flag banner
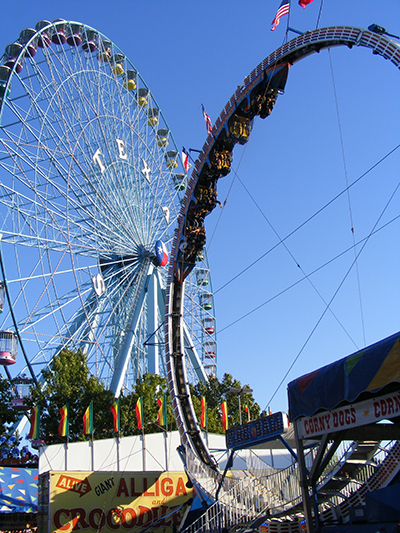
(63, 426)
(117, 501)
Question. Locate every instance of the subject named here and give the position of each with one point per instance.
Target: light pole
(239, 393)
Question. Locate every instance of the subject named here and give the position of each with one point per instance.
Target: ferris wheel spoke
(120, 295)
(194, 357)
(47, 210)
(40, 207)
(67, 299)
(79, 331)
(63, 74)
(83, 326)
(70, 334)
(40, 126)
(122, 357)
(32, 275)
(26, 214)
(23, 281)
(67, 121)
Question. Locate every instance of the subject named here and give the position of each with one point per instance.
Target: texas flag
(185, 159)
(161, 253)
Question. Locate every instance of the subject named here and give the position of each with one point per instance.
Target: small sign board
(113, 502)
(350, 416)
(256, 431)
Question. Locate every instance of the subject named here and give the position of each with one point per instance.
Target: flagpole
(67, 430)
(206, 420)
(63, 430)
(92, 453)
(166, 447)
(118, 443)
(319, 14)
(144, 442)
(66, 453)
(287, 26)
(117, 421)
(118, 434)
(140, 423)
(144, 450)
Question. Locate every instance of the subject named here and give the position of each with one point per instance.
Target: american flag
(185, 159)
(207, 119)
(283, 10)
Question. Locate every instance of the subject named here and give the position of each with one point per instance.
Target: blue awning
(356, 377)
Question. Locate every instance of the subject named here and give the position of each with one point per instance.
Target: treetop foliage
(68, 380)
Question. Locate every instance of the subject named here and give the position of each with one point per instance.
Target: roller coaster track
(256, 96)
(277, 496)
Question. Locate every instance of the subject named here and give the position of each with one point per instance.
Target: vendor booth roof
(18, 490)
(356, 377)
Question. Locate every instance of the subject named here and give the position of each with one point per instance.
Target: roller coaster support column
(304, 482)
(229, 464)
(286, 444)
(316, 513)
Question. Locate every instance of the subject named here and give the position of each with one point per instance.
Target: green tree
(215, 392)
(68, 380)
(9, 443)
(151, 388)
(7, 413)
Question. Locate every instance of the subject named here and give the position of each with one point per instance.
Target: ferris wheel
(91, 187)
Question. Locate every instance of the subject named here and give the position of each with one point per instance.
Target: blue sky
(192, 53)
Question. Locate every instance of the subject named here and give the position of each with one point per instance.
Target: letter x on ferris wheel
(91, 187)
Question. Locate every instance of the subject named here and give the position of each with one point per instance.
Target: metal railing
(207, 478)
(258, 467)
(365, 474)
(242, 501)
(245, 500)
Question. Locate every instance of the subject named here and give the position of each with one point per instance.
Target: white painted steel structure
(91, 180)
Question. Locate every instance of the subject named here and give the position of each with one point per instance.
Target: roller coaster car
(206, 180)
(268, 104)
(262, 103)
(194, 241)
(206, 201)
(192, 209)
(220, 163)
(239, 129)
